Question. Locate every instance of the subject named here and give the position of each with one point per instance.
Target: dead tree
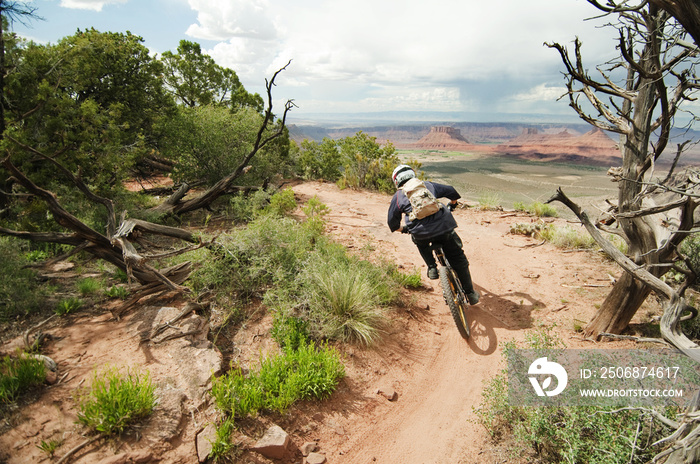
(636, 96)
(683, 446)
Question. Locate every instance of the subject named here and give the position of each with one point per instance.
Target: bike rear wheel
(455, 300)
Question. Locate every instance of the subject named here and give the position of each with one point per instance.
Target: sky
(363, 56)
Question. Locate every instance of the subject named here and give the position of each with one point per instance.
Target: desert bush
(346, 299)
(489, 202)
(319, 160)
(354, 162)
(564, 434)
(244, 208)
(18, 375)
(567, 237)
(115, 401)
(542, 210)
(268, 251)
(309, 372)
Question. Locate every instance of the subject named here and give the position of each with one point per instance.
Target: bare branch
(675, 304)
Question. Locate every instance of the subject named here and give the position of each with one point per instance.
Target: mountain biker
(436, 228)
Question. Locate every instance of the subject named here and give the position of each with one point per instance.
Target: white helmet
(401, 174)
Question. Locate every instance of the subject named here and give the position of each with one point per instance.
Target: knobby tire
(458, 306)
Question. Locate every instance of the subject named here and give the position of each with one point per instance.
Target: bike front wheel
(455, 299)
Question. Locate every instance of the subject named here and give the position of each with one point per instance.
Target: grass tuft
(115, 401)
(17, 375)
(347, 304)
(310, 372)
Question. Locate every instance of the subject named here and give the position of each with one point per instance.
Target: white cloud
(94, 5)
(409, 46)
(226, 19)
(539, 93)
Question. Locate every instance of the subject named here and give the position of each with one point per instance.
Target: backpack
(423, 202)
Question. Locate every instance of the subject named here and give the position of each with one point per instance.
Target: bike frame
(452, 291)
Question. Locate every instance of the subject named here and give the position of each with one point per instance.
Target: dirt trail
(437, 375)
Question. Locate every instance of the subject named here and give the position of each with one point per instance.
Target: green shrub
(315, 212)
(319, 160)
(20, 292)
(268, 251)
(19, 374)
(88, 286)
(115, 401)
(282, 203)
(68, 305)
(244, 208)
(288, 331)
(306, 373)
(564, 434)
(354, 162)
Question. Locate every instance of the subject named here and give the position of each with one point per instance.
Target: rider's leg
(427, 255)
(452, 246)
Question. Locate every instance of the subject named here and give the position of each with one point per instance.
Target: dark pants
(452, 247)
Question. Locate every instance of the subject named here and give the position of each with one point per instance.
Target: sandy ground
(437, 375)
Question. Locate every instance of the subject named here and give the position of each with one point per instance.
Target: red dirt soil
(438, 376)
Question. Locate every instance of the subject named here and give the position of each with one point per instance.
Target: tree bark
(619, 307)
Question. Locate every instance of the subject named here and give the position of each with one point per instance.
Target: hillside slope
(437, 375)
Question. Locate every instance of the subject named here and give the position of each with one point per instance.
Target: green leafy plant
(49, 447)
(18, 375)
(288, 331)
(222, 448)
(116, 291)
(68, 305)
(309, 372)
(116, 400)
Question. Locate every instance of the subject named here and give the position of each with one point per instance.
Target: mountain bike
(452, 291)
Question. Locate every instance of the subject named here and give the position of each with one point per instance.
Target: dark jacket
(434, 225)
